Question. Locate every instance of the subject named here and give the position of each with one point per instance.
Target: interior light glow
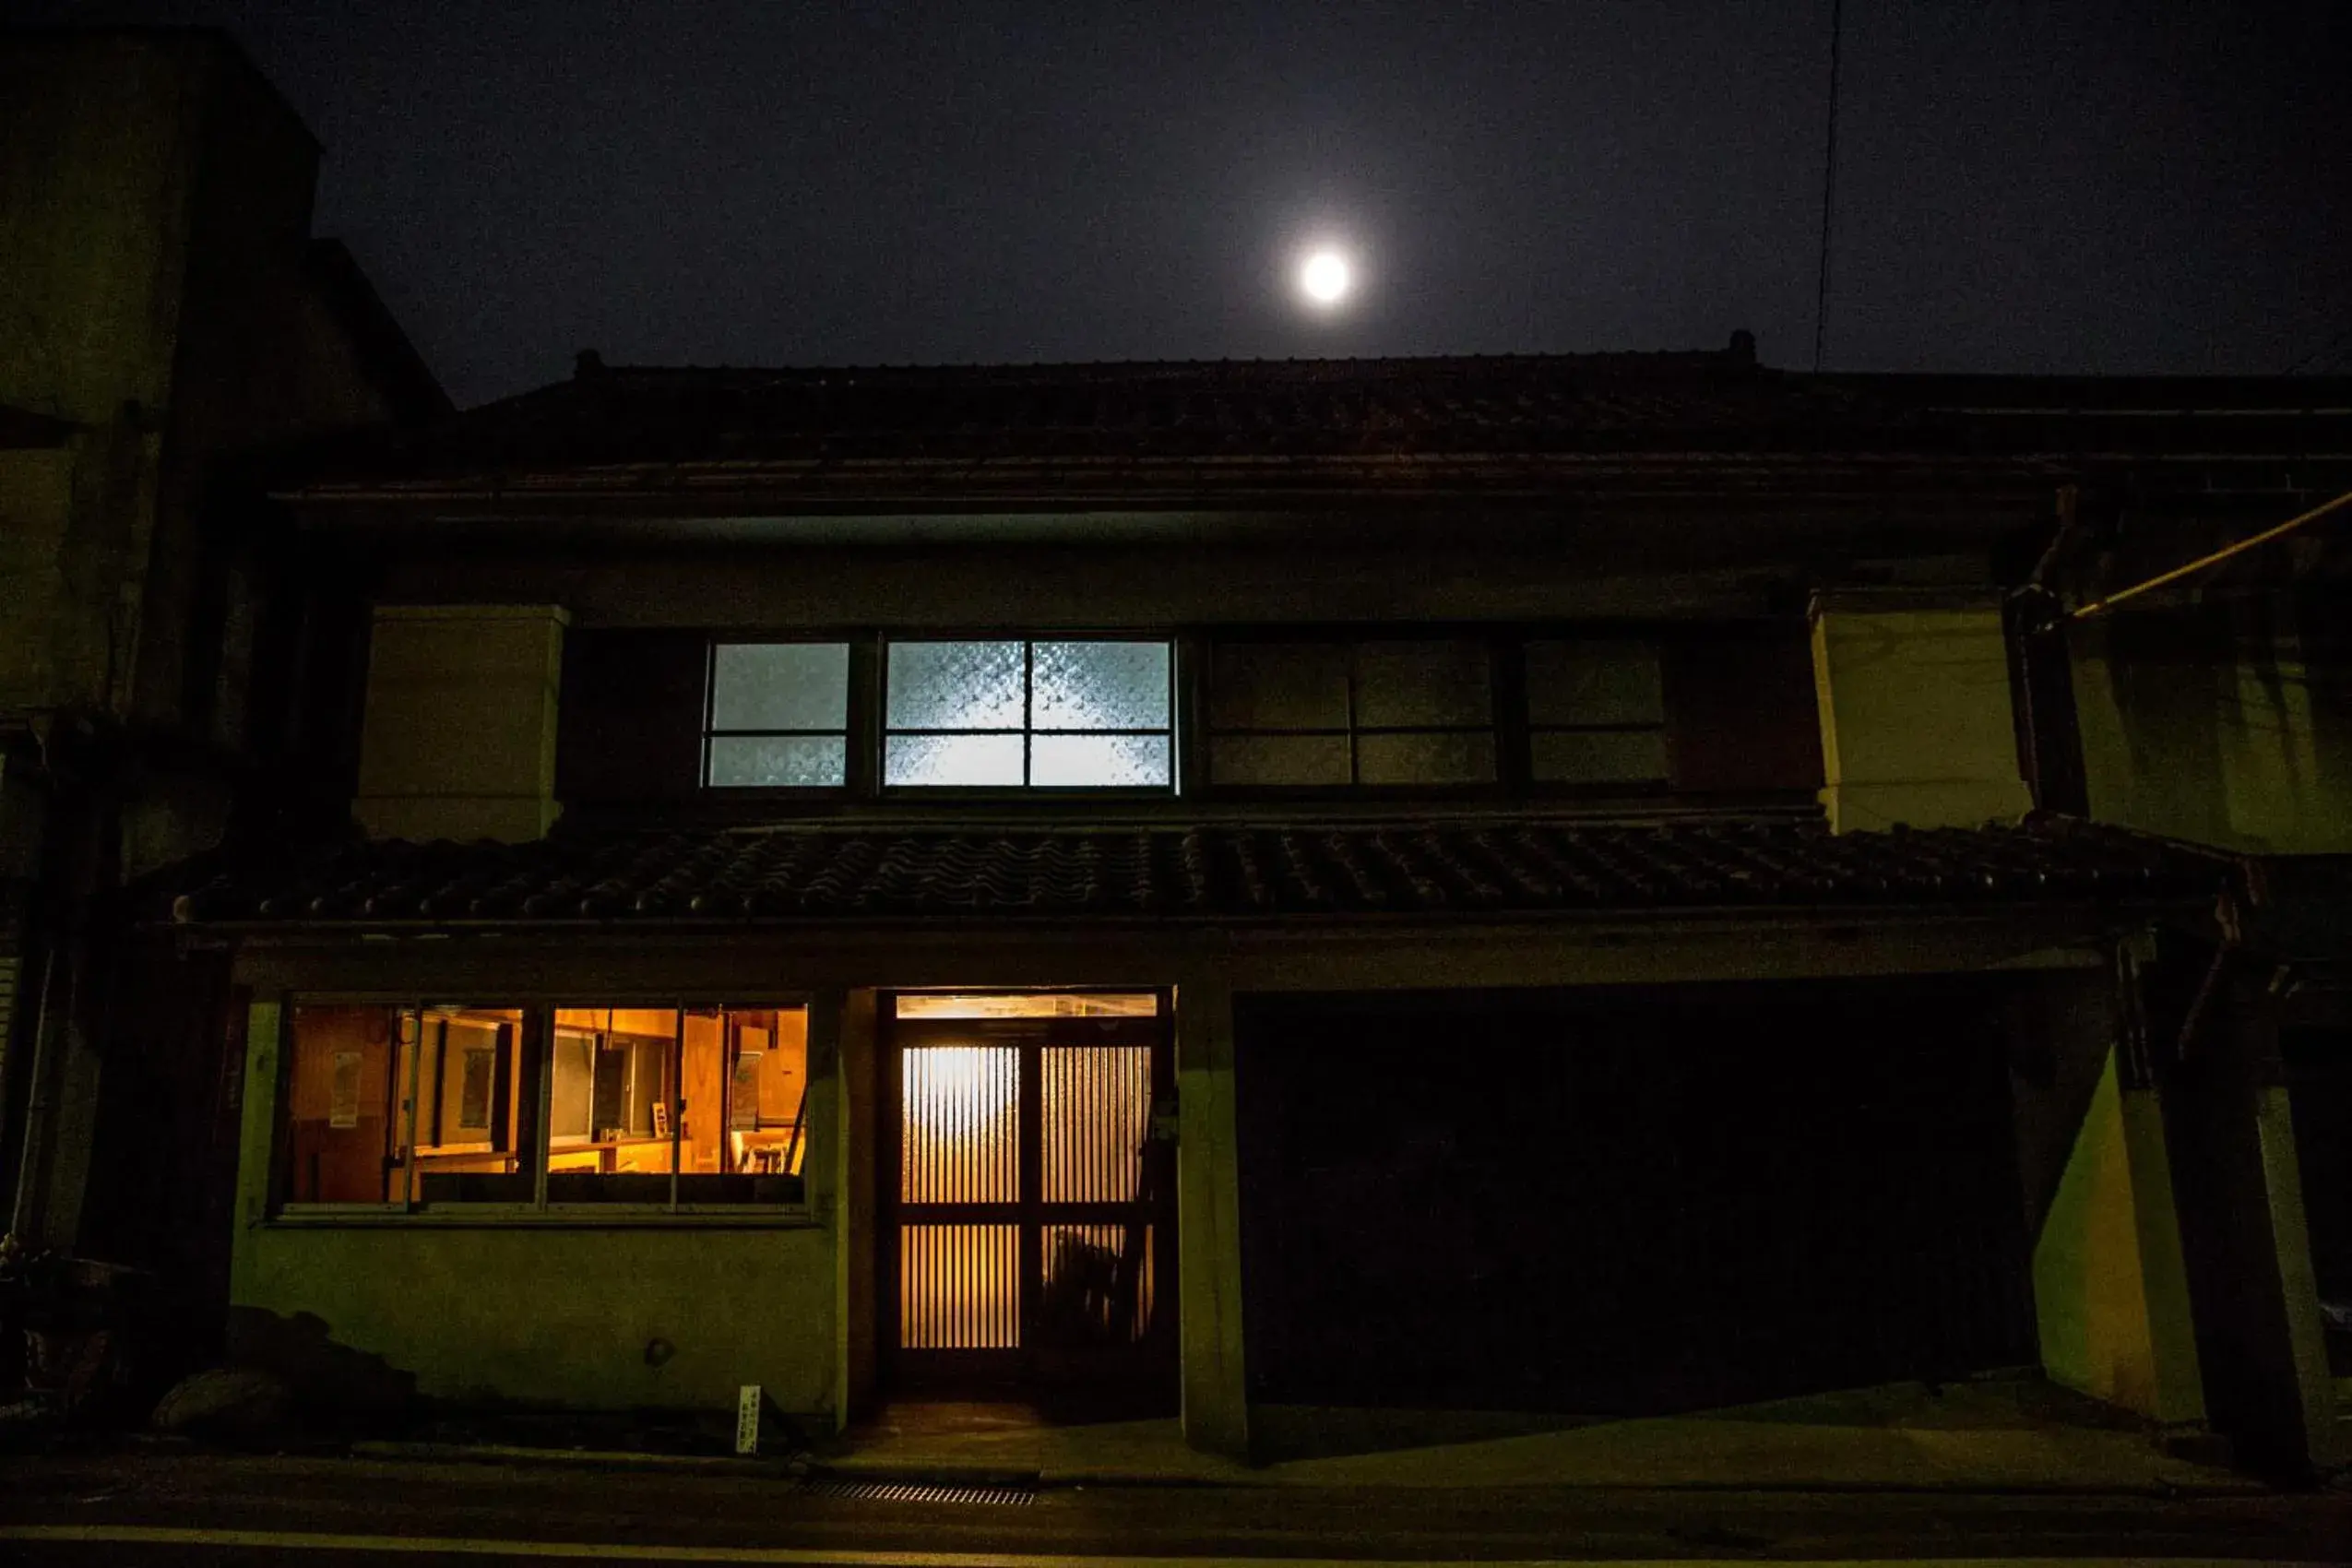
(959, 1090)
(1030, 1004)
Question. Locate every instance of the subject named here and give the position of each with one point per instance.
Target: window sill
(568, 1216)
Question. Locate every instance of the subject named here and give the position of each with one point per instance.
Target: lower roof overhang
(1407, 905)
(686, 963)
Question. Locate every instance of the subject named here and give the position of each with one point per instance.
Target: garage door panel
(1624, 1201)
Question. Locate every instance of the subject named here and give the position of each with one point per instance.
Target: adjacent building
(166, 319)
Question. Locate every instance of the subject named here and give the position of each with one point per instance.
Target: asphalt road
(191, 1508)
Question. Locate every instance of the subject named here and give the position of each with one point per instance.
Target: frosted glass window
(1436, 757)
(1422, 685)
(779, 715)
(1278, 686)
(1099, 687)
(953, 759)
(958, 687)
(1598, 757)
(1134, 761)
(778, 762)
(1586, 683)
(1595, 713)
(1398, 711)
(779, 687)
(1251, 760)
(1090, 714)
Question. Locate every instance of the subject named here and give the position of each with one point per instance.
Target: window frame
(538, 1032)
(1500, 645)
(1193, 650)
(878, 707)
(851, 703)
(1527, 729)
(1514, 730)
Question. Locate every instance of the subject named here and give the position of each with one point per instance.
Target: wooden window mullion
(674, 1075)
(867, 719)
(709, 704)
(536, 1041)
(402, 1020)
(1514, 744)
(1355, 772)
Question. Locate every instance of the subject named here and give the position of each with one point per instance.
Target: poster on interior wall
(660, 1118)
(743, 1105)
(473, 1097)
(343, 1110)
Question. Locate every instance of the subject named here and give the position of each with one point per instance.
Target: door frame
(1145, 1366)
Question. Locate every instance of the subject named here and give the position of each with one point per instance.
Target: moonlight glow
(1326, 277)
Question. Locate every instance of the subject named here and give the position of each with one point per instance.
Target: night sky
(2125, 186)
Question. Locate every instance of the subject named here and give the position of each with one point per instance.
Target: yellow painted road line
(789, 1557)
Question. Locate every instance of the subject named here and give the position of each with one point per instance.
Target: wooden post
(1208, 1218)
(257, 1139)
(2230, 1125)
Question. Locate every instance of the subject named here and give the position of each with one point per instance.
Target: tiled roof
(1513, 406)
(1643, 422)
(1212, 871)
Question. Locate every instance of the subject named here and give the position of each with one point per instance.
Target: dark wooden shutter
(631, 727)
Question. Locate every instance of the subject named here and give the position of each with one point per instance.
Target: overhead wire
(1828, 185)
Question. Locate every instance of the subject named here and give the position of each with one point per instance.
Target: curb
(853, 1469)
(798, 1468)
(580, 1458)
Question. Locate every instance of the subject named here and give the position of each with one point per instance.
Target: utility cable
(1828, 185)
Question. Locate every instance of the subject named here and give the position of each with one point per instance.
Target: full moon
(1326, 277)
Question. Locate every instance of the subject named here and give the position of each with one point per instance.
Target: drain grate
(919, 1491)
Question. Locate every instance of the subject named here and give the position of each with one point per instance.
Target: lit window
(411, 1107)
(779, 715)
(1092, 714)
(1400, 712)
(395, 1105)
(693, 1105)
(1595, 713)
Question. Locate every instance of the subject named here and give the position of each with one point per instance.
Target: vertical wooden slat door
(1028, 1208)
(959, 1188)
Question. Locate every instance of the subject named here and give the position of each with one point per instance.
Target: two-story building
(1465, 884)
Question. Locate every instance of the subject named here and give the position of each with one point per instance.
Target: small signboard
(749, 1404)
(343, 1107)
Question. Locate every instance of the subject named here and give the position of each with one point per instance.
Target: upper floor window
(1078, 714)
(1332, 713)
(1716, 712)
(1595, 713)
(779, 715)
